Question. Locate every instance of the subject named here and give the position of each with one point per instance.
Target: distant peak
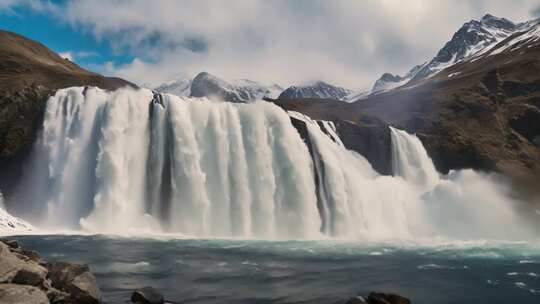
(390, 77)
(203, 75)
(488, 16)
(497, 22)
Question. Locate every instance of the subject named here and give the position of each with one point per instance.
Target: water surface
(247, 271)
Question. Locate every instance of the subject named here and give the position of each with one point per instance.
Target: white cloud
(345, 42)
(74, 55)
(67, 55)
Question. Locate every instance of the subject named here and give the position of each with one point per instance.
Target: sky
(344, 42)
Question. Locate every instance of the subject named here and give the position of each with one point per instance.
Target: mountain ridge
(205, 84)
(472, 39)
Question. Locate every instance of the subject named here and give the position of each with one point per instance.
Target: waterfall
(411, 161)
(130, 161)
(133, 161)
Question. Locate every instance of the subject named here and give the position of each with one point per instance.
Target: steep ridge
(473, 39)
(316, 90)
(29, 74)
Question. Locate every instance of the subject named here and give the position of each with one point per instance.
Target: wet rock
(30, 276)
(22, 294)
(58, 282)
(76, 280)
(386, 298)
(147, 295)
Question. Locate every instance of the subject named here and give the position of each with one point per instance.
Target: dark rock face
(371, 138)
(29, 74)
(364, 134)
(24, 277)
(147, 295)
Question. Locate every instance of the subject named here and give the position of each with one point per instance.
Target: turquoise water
(247, 271)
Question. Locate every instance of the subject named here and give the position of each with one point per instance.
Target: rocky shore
(25, 278)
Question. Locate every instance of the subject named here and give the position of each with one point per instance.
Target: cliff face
(29, 74)
(365, 134)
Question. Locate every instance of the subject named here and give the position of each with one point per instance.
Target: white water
(121, 163)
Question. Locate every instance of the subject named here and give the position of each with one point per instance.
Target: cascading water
(130, 161)
(126, 161)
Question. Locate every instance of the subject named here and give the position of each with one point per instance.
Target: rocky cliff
(29, 74)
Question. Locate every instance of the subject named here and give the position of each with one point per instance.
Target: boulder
(76, 280)
(147, 295)
(14, 269)
(22, 294)
(30, 276)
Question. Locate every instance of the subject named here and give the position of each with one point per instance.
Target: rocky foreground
(25, 278)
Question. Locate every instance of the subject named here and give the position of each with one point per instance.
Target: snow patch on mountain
(180, 87)
(10, 224)
(317, 90)
(475, 38)
(211, 86)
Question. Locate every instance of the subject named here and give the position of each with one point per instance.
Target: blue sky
(345, 42)
(61, 37)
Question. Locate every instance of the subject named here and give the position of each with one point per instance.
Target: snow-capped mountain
(208, 85)
(358, 94)
(317, 89)
(180, 87)
(473, 39)
(389, 81)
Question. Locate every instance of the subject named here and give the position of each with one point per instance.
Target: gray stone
(76, 280)
(147, 295)
(22, 294)
(62, 272)
(9, 264)
(84, 289)
(29, 276)
(15, 269)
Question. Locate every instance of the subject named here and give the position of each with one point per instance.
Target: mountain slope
(208, 85)
(481, 113)
(180, 87)
(317, 89)
(29, 74)
(473, 39)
